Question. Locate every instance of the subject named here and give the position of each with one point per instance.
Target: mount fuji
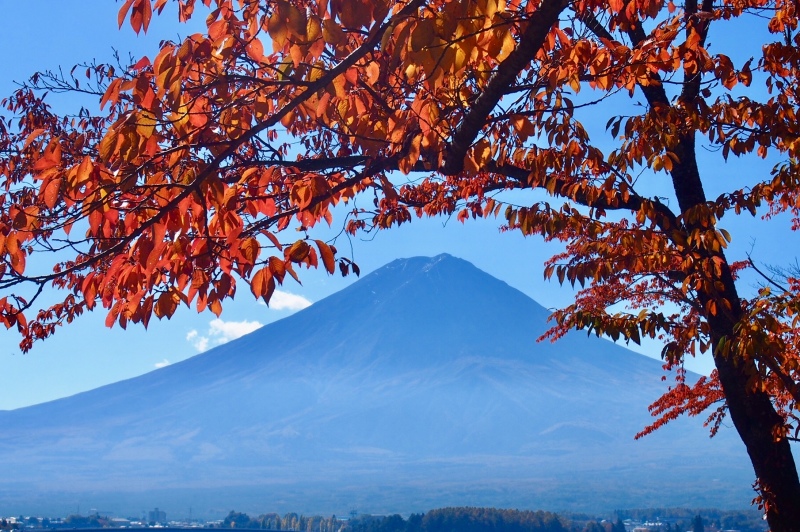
(420, 385)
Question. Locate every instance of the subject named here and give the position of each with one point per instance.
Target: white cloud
(287, 301)
(220, 332)
(199, 342)
(163, 363)
(231, 330)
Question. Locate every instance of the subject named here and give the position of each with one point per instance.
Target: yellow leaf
(277, 29)
(482, 152)
(298, 251)
(107, 144)
(423, 35)
(296, 19)
(332, 32)
(462, 55)
(508, 46)
(146, 124)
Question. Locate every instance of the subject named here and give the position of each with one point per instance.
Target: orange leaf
(84, 172)
(112, 93)
(141, 14)
(255, 50)
(51, 192)
(32, 137)
(166, 305)
(123, 12)
(278, 268)
(327, 252)
(298, 251)
(263, 284)
(250, 249)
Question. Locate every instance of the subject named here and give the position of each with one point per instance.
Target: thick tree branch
(530, 43)
(633, 202)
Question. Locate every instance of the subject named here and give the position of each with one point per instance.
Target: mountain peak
(442, 285)
(423, 264)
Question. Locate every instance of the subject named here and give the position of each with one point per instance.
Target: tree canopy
(466, 519)
(286, 114)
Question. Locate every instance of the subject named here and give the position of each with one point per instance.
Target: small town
(96, 519)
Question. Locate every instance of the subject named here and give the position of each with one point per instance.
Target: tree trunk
(755, 420)
(757, 423)
(751, 410)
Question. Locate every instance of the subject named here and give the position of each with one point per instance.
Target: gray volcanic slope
(420, 385)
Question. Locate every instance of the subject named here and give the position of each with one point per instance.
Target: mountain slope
(422, 381)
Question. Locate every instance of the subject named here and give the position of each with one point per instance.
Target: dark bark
(751, 410)
(755, 418)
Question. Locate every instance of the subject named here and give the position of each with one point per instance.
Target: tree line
(460, 519)
(471, 519)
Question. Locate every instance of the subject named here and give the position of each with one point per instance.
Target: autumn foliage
(286, 114)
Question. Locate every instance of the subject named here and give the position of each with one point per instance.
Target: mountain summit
(420, 385)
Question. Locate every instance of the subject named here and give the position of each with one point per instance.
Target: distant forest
(440, 520)
(467, 519)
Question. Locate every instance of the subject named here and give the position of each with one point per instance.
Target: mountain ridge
(423, 264)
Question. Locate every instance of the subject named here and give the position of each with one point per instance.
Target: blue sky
(49, 33)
